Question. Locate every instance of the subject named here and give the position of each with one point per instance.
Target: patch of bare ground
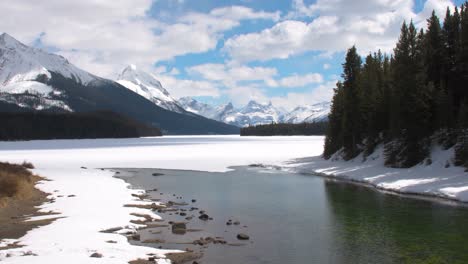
(18, 201)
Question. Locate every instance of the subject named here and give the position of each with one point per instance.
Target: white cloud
(238, 13)
(321, 93)
(326, 66)
(104, 36)
(299, 80)
(230, 75)
(181, 87)
(241, 95)
(334, 25)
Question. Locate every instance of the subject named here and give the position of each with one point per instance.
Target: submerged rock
(242, 236)
(204, 217)
(96, 255)
(179, 228)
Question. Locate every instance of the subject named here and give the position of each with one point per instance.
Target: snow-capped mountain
(32, 79)
(26, 70)
(199, 108)
(255, 113)
(308, 113)
(19, 62)
(146, 85)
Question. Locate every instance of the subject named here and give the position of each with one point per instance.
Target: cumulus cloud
(333, 25)
(321, 93)
(230, 75)
(233, 75)
(298, 80)
(241, 95)
(184, 87)
(104, 36)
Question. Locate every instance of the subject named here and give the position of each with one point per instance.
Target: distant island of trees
(285, 129)
(46, 125)
(408, 101)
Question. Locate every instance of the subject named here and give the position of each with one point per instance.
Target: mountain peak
(253, 103)
(146, 85)
(19, 62)
(7, 40)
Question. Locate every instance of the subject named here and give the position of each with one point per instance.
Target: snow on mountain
(34, 79)
(146, 85)
(308, 113)
(25, 70)
(255, 113)
(199, 108)
(19, 62)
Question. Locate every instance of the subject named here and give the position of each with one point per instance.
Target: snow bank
(435, 179)
(96, 198)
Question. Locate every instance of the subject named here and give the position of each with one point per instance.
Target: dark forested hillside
(409, 100)
(42, 125)
(282, 129)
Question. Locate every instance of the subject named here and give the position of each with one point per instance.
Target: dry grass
(16, 182)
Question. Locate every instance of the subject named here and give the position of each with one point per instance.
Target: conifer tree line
(285, 129)
(416, 97)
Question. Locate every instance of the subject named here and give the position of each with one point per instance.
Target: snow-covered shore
(97, 198)
(439, 179)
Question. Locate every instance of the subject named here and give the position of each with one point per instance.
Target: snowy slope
(199, 108)
(19, 62)
(146, 85)
(21, 68)
(436, 179)
(308, 113)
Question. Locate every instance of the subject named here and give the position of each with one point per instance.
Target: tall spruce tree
(334, 138)
(410, 100)
(352, 118)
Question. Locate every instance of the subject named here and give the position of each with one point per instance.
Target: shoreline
(435, 182)
(17, 215)
(411, 195)
(191, 241)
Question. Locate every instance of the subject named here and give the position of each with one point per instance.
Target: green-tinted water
(305, 219)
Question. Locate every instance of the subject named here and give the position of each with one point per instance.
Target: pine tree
(352, 115)
(371, 99)
(461, 89)
(433, 51)
(410, 106)
(333, 139)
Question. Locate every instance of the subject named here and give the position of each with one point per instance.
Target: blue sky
(288, 52)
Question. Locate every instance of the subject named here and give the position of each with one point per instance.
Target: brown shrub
(27, 165)
(15, 181)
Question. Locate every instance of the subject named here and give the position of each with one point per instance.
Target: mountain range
(255, 113)
(32, 79)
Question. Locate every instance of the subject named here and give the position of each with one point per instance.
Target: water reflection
(371, 227)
